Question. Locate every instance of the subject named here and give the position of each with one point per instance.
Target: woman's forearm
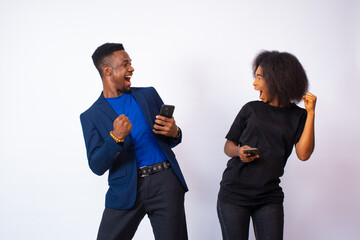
(305, 147)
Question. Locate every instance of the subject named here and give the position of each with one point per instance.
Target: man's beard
(125, 90)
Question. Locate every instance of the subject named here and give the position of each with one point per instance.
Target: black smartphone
(167, 110)
(252, 151)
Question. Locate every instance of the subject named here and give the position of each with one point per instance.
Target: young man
(124, 134)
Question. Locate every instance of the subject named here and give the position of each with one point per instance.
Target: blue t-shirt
(147, 150)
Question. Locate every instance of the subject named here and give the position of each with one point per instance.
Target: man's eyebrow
(260, 75)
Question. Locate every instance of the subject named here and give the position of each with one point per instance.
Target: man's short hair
(104, 51)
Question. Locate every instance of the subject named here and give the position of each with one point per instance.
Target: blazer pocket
(117, 177)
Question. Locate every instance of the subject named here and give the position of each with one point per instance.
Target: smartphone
(167, 110)
(252, 151)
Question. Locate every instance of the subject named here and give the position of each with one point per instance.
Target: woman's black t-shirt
(274, 131)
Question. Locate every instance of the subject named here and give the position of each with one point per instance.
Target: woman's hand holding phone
(248, 154)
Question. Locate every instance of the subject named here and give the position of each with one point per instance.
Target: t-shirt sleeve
(301, 126)
(237, 127)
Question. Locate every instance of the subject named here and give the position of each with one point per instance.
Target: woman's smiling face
(260, 85)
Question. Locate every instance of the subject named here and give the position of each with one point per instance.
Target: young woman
(250, 183)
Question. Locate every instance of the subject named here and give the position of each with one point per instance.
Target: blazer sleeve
(101, 151)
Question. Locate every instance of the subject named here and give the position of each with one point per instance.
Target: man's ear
(107, 70)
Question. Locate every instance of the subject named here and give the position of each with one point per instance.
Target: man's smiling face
(121, 71)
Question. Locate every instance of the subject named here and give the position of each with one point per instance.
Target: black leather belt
(152, 169)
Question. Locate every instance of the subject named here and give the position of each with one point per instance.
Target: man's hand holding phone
(165, 122)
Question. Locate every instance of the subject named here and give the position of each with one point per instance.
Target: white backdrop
(197, 54)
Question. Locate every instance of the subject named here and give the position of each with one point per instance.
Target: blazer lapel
(105, 107)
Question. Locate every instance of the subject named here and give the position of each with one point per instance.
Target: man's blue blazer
(105, 154)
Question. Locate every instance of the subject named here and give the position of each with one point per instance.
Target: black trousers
(268, 221)
(161, 197)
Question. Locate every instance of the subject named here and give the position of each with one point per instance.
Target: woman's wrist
(311, 113)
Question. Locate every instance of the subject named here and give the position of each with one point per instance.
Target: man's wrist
(116, 139)
(177, 134)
